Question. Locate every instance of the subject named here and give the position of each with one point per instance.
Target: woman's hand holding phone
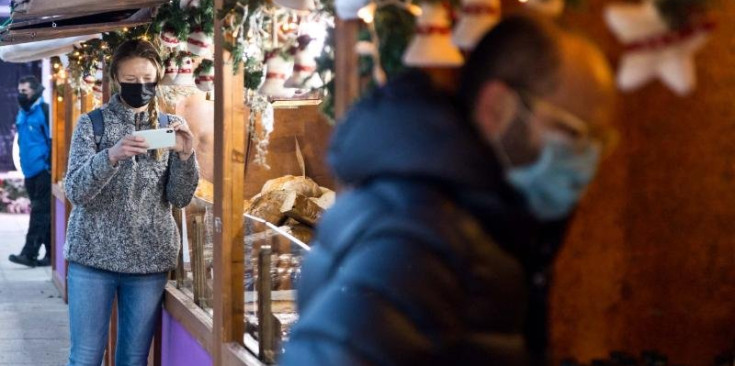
(126, 148)
(184, 140)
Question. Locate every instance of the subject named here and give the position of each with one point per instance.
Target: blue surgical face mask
(553, 184)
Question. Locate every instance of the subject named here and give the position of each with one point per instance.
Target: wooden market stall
(297, 145)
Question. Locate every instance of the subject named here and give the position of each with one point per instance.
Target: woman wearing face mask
(122, 238)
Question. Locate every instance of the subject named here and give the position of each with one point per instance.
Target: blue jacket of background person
(34, 139)
(428, 257)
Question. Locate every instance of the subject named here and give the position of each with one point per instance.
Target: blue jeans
(91, 294)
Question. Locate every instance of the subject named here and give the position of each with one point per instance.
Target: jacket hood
(408, 129)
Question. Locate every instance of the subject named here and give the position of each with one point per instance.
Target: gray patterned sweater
(122, 220)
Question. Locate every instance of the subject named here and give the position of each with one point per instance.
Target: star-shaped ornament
(653, 49)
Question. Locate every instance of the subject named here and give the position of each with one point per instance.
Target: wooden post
(105, 82)
(347, 74)
(266, 336)
(58, 131)
(71, 114)
(229, 165)
(198, 267)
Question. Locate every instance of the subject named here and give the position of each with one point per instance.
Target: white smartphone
(159, 138)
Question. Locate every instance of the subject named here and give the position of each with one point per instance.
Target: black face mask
(137, 95)
(26, 102)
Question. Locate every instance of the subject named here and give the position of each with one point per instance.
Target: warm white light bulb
(367, 13)
(414, 9)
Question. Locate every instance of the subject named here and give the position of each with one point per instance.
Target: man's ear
(496, 105)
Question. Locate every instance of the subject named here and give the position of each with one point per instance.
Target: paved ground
(34, 327)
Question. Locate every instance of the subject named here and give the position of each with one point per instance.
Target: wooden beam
(40, 8)
(347, 73)
(229, 166)
(40, 34)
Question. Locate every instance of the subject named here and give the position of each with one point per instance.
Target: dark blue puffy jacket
(34, 139)
(429, 257)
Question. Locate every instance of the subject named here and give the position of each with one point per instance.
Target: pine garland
(171, 17)
(202, 16)
(204, 66)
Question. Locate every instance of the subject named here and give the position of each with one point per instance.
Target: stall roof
(36, 20)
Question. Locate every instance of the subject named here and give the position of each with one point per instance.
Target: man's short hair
(520, 51)
(32, 81)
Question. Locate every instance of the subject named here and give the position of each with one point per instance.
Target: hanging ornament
(199, 43)
(476, 18)
(185, 72)
(204, 76)
(552, 8)
(277, 70)
(88, 80)
(168, 39)
(432, 45)
(304, 74)
(653, 49)
(348, 9)
(171, 69)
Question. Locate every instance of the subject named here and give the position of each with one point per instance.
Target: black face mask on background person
(26, 102)
(137, 95)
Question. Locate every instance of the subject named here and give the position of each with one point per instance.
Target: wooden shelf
(294, 103)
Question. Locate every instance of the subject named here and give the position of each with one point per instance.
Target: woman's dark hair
(142, 49)
(520, 51)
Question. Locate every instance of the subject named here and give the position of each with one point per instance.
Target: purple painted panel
(60, 235)
(178, 347)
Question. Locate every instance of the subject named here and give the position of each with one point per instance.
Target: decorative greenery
(202, 16)
(171, 17)
(204, 66)
(325, 68)
(236, 16)
(395, 27)
(253, 73)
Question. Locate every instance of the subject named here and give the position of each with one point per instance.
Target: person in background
(439, 250)
(34, 141)
(122, 238)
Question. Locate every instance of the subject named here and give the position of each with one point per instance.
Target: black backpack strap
(98, 126)
(163, 120)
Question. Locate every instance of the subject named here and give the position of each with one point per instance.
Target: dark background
(9, 75)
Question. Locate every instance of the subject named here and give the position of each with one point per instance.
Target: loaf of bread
(267, 206)
(326, 200)
(301, 209)
(301, 185)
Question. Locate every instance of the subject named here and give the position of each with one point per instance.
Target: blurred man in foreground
(440, 251)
